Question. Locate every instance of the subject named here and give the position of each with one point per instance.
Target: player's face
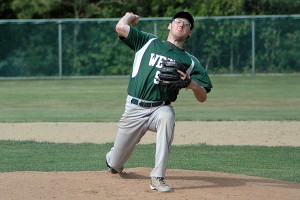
(180, 28)
(182, 22)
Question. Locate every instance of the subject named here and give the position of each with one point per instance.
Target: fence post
(253, 47)
(59, 50)
(155, 28)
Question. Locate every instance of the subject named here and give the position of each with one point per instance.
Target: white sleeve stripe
(189, 70)
(138, 58)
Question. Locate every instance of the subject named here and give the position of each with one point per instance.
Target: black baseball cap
(185, 15)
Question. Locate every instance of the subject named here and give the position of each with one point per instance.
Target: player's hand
(132, 19)
(183, 76)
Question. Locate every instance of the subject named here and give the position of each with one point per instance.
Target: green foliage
(271, 7)
(5, 10)
(218, 8)
(222, 46)
(85, 53)
(31, 9)
(157, 8)
(29, 50)
(271, 162)
(289, 60)
(93, 48)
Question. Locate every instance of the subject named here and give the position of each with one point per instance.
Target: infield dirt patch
(134, 183)
(266, 133)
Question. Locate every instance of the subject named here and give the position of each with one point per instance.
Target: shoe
(158, 183)
(112, 170)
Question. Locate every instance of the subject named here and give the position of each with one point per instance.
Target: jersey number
(156, 78)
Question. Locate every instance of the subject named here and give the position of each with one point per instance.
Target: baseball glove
(170, 78)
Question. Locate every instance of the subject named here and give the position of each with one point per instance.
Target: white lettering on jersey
(161, 58)
(156, 60)
(156, 78)
(153, 59)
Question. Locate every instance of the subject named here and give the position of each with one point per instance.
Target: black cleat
(110, 169)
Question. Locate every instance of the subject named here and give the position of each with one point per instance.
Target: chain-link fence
(90, 47)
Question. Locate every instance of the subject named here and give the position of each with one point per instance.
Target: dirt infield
(134, 183)
(267, 133)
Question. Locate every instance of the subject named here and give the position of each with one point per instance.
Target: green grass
(62, 100)
(282, 163)
(232, 98)
(245, 98)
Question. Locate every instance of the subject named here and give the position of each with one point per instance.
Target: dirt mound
(134, 184)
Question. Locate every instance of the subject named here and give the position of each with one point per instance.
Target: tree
(5, 10)
(271, 7)
(31, 9)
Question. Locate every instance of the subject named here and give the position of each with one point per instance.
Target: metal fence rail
(90, 47)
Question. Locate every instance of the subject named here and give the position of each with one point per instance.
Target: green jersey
(149, 53)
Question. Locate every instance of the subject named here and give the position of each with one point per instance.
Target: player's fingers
(133, 19)
(182, 74)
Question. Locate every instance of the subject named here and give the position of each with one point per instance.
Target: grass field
(281, 163)
(232, 98)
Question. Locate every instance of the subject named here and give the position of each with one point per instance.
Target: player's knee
(167, 118)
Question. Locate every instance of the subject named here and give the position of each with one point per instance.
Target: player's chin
(181, 38)
(181, 34)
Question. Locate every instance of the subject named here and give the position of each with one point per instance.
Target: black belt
(149, 104)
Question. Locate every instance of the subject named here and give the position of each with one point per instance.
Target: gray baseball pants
(133, 125)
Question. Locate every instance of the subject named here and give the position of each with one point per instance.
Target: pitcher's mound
(134, 184)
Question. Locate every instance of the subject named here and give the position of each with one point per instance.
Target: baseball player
(149, 103)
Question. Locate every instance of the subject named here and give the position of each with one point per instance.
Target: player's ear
(190, 33)
(169, 26)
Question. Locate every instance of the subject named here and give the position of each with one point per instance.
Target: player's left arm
(200, 81)
(199, 91)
